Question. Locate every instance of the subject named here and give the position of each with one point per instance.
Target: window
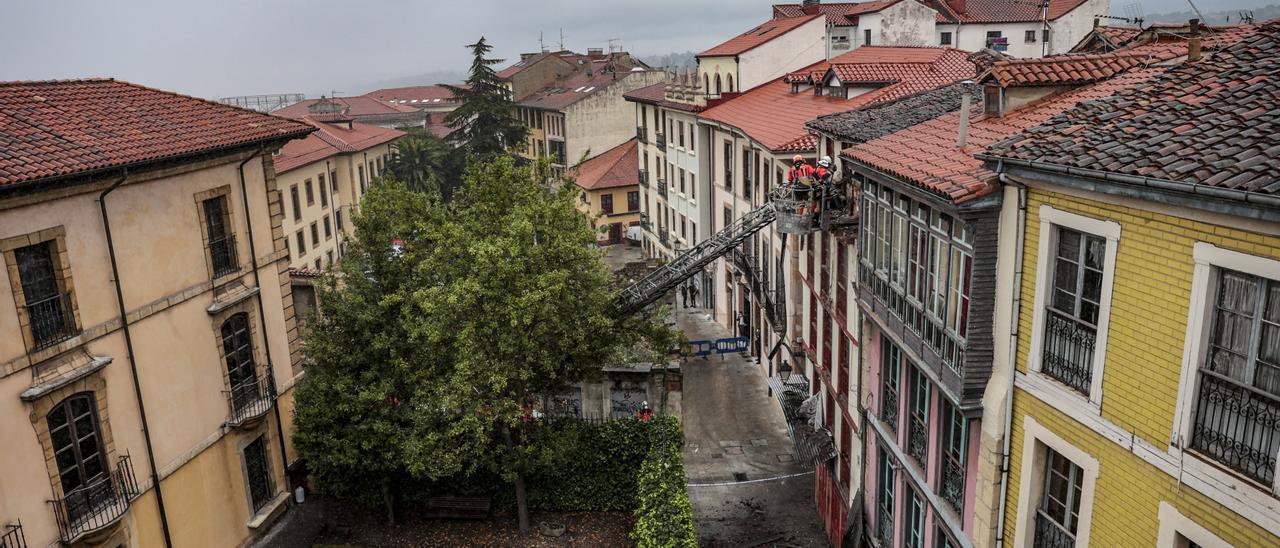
(48, 307)
(324, 192)
(915, 520)
(946, 39)
(1071, 332)
(693, 186)
(1239, 377)
(884, 506)
(237, 349)
(311, 194)
(633, 201)
(866, 37)
(728, 83)
(333, 179)
(78, 451)
(337, 217)
(728, 166)
(297, 203)
(918, 427)
(954, 436)
(680, 178)
(1030, 37)
(1058, 513)
(328, 229)
(302, 243)
(360, 173)
(680, 130)
(1045, 34)
(328, 258)
(258, 471)
(890, 373)
(942, 539)
(718, 90)
(221, 244)
(315, 235)
(606, 204)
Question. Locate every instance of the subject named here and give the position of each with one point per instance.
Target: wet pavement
(745, 486)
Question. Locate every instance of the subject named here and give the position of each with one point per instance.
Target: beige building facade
(149, 351)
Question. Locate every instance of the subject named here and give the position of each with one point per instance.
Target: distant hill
(1217, 17)
(671, 60)
(424, 79)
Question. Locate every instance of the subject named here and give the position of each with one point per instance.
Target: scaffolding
(263, 103)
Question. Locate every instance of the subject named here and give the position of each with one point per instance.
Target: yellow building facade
(1125, 439)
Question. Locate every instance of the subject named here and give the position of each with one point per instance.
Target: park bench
(458, 507)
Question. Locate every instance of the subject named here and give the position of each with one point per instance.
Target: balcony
(663, 238)
(222, 253)
(953, 482)
(1068, 350)
(12, 537)
(661, 141)
(250, 400)
(1237, 425)
(642, 134)
(96, 506)
(918, 439)
(52, 320)
(643, 177)
(1049, 534)
(662, 188)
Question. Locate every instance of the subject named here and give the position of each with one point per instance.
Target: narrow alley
(745, 486)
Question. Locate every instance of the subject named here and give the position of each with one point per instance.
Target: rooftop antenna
(542, 47)
(1246, 17)
(614, 45)
(561, 38)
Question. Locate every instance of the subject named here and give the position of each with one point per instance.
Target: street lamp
(784, 372)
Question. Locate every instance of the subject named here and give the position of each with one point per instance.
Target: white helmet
(825, 161)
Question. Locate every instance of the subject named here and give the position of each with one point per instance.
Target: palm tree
(426, 163)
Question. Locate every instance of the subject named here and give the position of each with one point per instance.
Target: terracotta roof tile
(63, 127)
(776, 117)
(613, 168)
(329, 140)
(875, 121)
(590, 78)
(926, 154)
(1001, 11)
(755, 37)
(656, 95)
(837, 13)
(414, 96)
(1210, 122)
(361, 105)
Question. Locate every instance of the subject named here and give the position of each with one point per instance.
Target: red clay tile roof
(330, 140)
(616, 167)
(64, 127)
(841, 14)
(360, 105)
(776, 117)
(926, 154)
(1211, 122)
(757, 36)
(1002, 11)
(519, 66)
(414, 96)
(656, 95)
(589, 79)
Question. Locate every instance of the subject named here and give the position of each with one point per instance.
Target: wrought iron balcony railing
(663, 238)
(953, 482)
(643, 177)
(884, 527)
(1237, 425)
(889, 409)
(12, 536)
(661, 140)
(662, 188)
(1068, 350)
(1051, 534)
(250, 399)
(222, 252)
(52, 320)
(917, 439)
(642, 134)
(97, 505)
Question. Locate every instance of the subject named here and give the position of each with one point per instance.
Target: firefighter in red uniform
(801, 172)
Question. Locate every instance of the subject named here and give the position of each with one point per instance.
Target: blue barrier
(732, 345)
(700, 349)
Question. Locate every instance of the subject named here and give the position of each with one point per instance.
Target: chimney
(595, 52)
(1193, 42)
(966, 105)
(810, 7)
(957, 6)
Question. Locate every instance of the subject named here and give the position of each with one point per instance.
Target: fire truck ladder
(652, 287)
(771, 298)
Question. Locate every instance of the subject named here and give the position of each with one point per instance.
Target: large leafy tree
(485, 124)
(424, 162)
(426, 353)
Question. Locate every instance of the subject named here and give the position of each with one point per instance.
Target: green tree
(426, 163)
(485, 123)
(425, 356)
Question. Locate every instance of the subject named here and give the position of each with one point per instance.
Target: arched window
(729, 83)
(718, 91)
(77, 445)
(237, 346)
(706, 83)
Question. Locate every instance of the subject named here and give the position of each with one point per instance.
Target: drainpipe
(337, 207)
(262, 316)
(1020, 242)
(133, 365)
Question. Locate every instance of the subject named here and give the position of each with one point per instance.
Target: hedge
(665, 514)
(601, 465)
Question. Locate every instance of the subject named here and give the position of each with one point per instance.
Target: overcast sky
(214, 48)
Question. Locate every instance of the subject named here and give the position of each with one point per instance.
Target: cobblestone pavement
(745, 487)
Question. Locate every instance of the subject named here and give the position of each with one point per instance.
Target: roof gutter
(133, 364)
(1179, 191)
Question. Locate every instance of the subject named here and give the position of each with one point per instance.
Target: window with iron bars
(918, 423)
(918, 261)
(884, 506)
(1071, 319)
(890, 373)
(1058, 513)
(48, 304)
(954, 433)
(219, 240)
(1237, 402)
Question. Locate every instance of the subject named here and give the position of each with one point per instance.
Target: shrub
(665, 514)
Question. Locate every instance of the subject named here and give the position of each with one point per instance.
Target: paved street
(745, 488)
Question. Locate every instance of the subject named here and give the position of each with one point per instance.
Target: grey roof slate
(878, 120)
